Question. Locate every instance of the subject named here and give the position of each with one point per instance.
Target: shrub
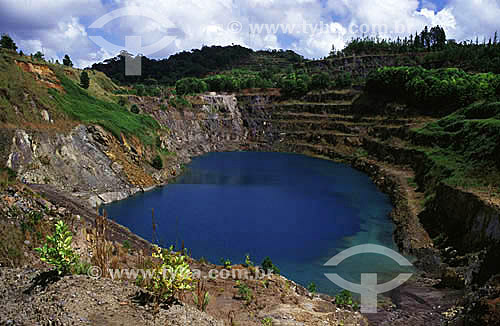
(244, 292)
(84, 80)
(171, 276)
(268, 266)
(226, 263)
(312, 287)
(435, 91)
(190, 85)
(179, 102)
(134, 109)
(295, 85)
(202, 297)
(67, 61)
(57, 250)
(248, 261)
(157, 162)
(344, 299)
(320, 81)
(140, 89)
(344, 80)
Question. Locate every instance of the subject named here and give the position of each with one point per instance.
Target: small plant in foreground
(268, 321)
(244, 292)
(344, 298)
(312, 287)
(202, 297)
(171, 276)
(81, 267)
(57, 250)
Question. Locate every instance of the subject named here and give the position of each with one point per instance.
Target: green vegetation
(157, 162)
(81, 267)
(190, 85)
(463, 146)
(248, 262)
(226, 263)
(201, 297)
(433, 39)
(6, 42)
(244, 292)
(171, 276)
(126, 244)
(7, 177)
(134, 109)
(84, 80)
(344, 299)
(179, 102)
(435, 91)
(312, 287)
(268, 321)
(435, 51)
(78, 104)
(198, 63)
(269, 267)
(39, 56)
(67, 61)
(57, 250)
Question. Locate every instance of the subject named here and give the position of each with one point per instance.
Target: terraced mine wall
(97, 168)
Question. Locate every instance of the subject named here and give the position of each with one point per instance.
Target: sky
(159, 28)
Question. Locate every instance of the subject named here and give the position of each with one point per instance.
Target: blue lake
(299, 211)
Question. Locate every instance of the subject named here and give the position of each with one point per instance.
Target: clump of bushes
(190, 85)
(179, 102)
(435, 91)
(157, 162)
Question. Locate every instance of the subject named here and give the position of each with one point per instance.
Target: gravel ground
(80, 300)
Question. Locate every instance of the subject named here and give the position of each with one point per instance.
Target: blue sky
(309, 27)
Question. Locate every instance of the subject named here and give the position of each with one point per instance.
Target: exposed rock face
(470, 223)
(75, 163)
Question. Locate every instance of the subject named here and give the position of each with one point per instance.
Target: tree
(6, 42)
(84, 80)
(67, 61)
(21, 53)
(333, 52)
(38, 56)
(437, 37)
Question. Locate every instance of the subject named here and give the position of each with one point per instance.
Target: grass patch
(78, 104)
(463, 146)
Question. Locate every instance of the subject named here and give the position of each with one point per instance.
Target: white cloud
(61, 26)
